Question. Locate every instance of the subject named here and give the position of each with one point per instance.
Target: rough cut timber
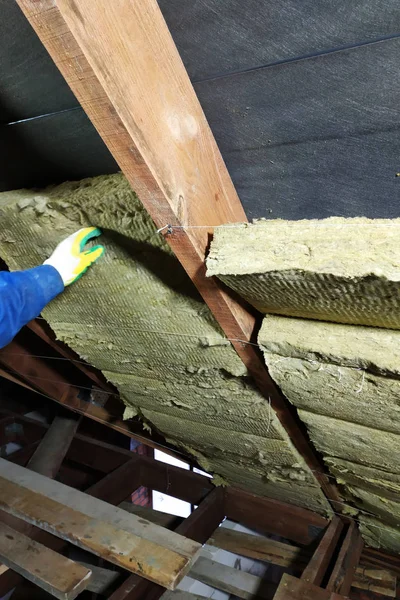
(341, 270)
(291, 588)
(54, 573)
(122, 65)
(138, 318)
(232, 581)
(345, 382)
(137, 545)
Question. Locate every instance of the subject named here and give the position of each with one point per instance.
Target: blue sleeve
(23, 295)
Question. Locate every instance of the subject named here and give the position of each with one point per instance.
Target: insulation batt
(345, 382)
(137, 317)
(336, 269)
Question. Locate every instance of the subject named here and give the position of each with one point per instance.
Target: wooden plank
(380, 581)
(140, 105)
(356, 594)
(52, 449)
(92, 507)
(136, 545)
(198, 526)
(295, 558)
(131, 552)
(260, 548)
(345, 567)
(231, 580)
(316, 568)
(271, 516)
(381, 559)
(11, 579)
(291, 588)
(265, 549)
(52, 572)
(101, 578)
(50, 453)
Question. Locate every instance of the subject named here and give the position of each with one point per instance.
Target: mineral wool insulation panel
(137, 317)
(345, 382)
(341, 270)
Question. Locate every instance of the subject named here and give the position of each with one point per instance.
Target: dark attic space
(199, 300)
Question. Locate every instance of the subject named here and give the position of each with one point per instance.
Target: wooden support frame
(318, 565)
(121, 63)
(346, 564)
(51, 452)
(106, 458)
(123, 471)
(46, 377)
(272, 516)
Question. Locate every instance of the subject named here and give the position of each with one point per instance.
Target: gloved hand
(69, 258)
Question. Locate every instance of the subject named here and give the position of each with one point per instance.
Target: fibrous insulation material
(136, 316)
(341, 270)
(345, 382)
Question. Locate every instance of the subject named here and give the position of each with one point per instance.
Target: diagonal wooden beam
(54, 446)
(319, 563)
(121, 63)
(42, 330)
(43, 376)
(344, 571)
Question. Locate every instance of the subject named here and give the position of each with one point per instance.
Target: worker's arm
(24, 294)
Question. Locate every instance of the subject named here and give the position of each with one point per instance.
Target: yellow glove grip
(84, 258)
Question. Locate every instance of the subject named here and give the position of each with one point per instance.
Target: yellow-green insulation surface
(345, 382)
(336, 269)
(136, 316)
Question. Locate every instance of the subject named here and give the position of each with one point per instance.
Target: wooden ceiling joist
(120, 61)
(35, 361)
(121, 472)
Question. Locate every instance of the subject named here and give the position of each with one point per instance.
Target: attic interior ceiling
(301, 97)
(302, 100)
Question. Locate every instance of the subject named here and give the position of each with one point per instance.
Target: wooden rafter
(121, 63)
(48, 376)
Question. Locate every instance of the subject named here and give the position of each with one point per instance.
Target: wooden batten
(52, 572)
